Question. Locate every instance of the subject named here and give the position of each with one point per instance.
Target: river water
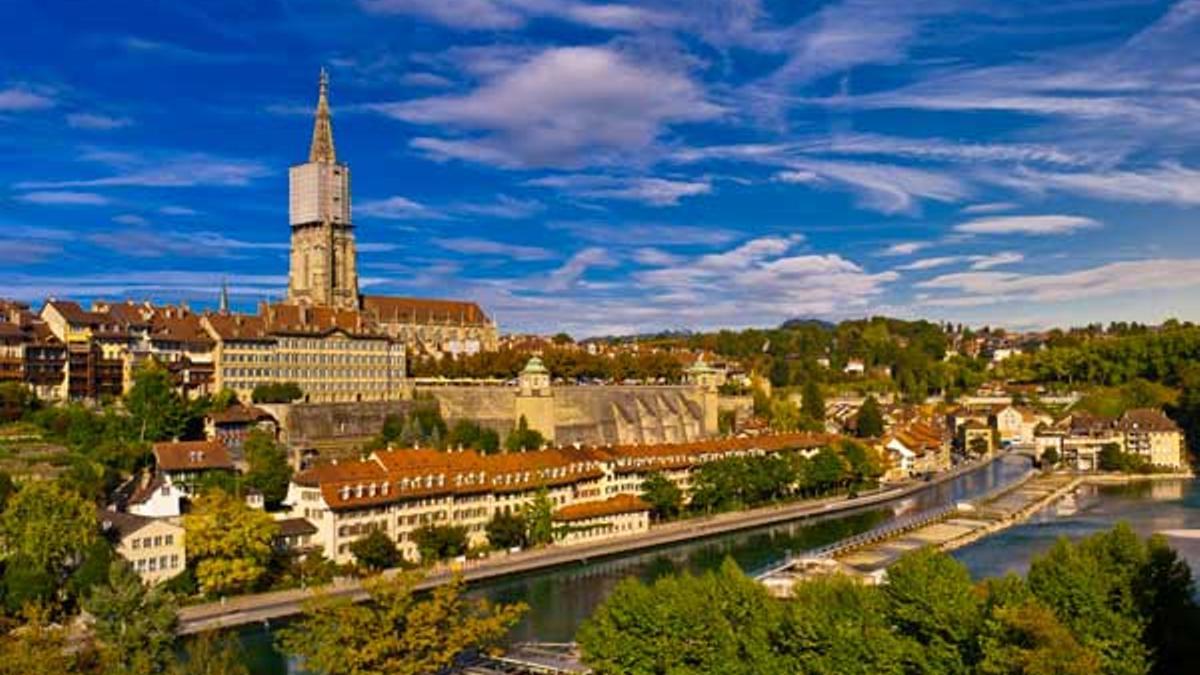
(560, 599)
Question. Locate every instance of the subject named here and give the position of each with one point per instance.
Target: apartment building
(399, 491)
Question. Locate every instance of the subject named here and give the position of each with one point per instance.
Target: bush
(438, 542)
(376, 551)
(276, 392)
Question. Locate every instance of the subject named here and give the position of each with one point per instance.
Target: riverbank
(263, 607)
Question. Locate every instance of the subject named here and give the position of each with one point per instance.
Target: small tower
(535, 399)
(535, 379)
(223, 302)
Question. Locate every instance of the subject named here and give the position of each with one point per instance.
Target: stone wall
(333, 429)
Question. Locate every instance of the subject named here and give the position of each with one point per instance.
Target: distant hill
(804, 323)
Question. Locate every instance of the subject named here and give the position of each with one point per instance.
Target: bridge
(527, 658)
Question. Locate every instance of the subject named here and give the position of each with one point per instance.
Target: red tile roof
(192, 456)
(391, 309)
(613, 506)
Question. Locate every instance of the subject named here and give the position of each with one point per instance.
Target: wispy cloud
(163, 170)
(573, 270)
(397, 208)
(513, 14)
(21, 99)
(143, 242)
(69, 197)
(905, 248)
(1170, 183)
(96, 122)
(879, 187)
(563, 107)
(504, 206)
(646, 189)
(646, 234)
(1035, 225)
(481, 247)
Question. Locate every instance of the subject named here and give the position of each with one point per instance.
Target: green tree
(523, 438)
(664, 496)
(720, 622)
(40, 646)
(813, 401)
(375, 551)
(870, 419)
(827, 469)
(539, 518)
(211, 654)
(1050, 458)
(155, 408)
(838, 625)
(1027, 639)
(277, 392)
(269, 471)
(507, 530)
(134, 625)
(395, 632)
(930, 598)
(229, 541)
(48, 526)
(26, 584)
(439, 542)
(16, 401)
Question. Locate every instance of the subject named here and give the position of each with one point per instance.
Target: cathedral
(323, 268)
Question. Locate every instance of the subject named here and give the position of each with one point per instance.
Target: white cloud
(905, 248)
(1106, 280)
(130, 219)
(22, 252)
(97, 122)
(397, 208)
(163, 170)
(573, 270)
(645, 189)
(18, 99)
(1169, 183)
(655, 257)
(987, 262)
(930, 263)
(647, 234)
(64, 197)
(504, 206)
(512, 14)
(477, 246)
(143, 242)
(1034, 225)
(879, 187)
(174, 210)
(988, 208)
(564, 107)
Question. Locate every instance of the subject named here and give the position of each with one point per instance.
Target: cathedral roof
(322, 141)
(423, 310)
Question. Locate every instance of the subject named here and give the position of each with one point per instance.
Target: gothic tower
(322, 269)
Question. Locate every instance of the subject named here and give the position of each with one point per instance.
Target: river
(559, 599)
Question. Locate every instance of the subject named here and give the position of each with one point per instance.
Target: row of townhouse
(594, 491)
(1079, 438)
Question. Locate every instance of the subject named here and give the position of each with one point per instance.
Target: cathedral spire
(322, 139)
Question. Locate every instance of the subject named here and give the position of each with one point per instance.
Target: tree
(469, 434)
(507, 530)
(156, 409)
(375, 551)
(931, 599)
(826, 469)
(865, 464)
(230, 542)
(1028, 639)
(720, 622)
(211, 654)
(16, 400)
(439, 542)
(48, 526)
(27, 583)
(813, 401)
(664, 496)
(269, 471)
(523, 438)
(134, 625)
(870, 419)
(276, 392)
(38, 647)
(539, 518)
(394, 632)
(1050, 457)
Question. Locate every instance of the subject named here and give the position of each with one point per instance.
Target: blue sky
(605, 167)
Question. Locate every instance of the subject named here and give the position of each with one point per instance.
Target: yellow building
(154, 547)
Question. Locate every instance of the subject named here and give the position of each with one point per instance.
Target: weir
(868, 555)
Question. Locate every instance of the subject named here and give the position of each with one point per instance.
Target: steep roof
(240, 414)
(397, 309)
(1146, 419)
(192, 456)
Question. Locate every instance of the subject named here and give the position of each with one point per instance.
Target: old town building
(399, 491)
